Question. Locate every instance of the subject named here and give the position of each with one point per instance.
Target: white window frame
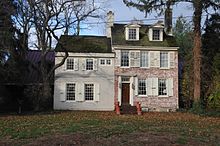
(85, 92)
(132, 34)
(142, 87)
(107, 62)
(100, 62)
(155, 35)
(166, 87)
(147, 59)
(128, 56)
(132, 27)
(164, 59)
(151, 34)
(87, 64)
(66, 95)
(72, 63)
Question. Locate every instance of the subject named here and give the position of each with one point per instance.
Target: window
(108, 61)
(102, 61)
(142, 87)
(132, 34)
(144, 59)
(164, 59)
(162, 89)
(124, 58)
(89, 91)
(70, 91)
(70, 64)
(89, 64)
(156, 34)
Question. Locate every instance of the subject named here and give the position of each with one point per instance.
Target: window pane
(89, 64)
(70, 64)
(156, 34)
(142, 87)
(163, 59)
(124, 58)
(144, 59)
(162, 87)
(108, 61)
(102, 61)
(89, 91)
(132, 34)
(70, 91)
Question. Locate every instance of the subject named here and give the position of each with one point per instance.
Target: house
(146, 64)
(86, 80)
(134, 63)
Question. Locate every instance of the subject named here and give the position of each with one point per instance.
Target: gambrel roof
(84, 44)
(118, 37)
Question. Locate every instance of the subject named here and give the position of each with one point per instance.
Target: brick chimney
(110, 22)
(168, 19)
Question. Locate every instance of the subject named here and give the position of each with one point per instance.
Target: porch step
(128, 109)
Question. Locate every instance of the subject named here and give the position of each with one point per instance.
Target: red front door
(125, 93)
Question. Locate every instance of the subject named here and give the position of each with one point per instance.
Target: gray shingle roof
(118, 37)
(84, 44)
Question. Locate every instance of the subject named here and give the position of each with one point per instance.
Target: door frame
(131, 82)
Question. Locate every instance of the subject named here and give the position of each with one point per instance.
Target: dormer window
(156, 32)
(132, 32)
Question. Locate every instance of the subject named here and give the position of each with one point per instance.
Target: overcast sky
(123, 13)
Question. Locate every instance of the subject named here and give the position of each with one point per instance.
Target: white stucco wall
(103, 76)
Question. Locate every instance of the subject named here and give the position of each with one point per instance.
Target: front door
(125, 93)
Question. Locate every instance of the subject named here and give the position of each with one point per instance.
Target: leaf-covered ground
(107, 128)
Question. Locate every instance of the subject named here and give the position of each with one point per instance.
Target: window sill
(70, 101)
(142, 96)
(156, 41)
(132, 40)
(165, 68)
(163, 96)
(145, 67)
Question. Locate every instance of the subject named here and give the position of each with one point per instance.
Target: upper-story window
(70, 64)
(164, 59)
(144, 59)
(89, 64)
(125, 58)
(132, 34)
(156, 34)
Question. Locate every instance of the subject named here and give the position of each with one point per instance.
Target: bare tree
(45, 18)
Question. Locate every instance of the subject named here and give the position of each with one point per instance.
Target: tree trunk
(197, 49)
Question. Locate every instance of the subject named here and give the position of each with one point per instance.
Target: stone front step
(128, 109)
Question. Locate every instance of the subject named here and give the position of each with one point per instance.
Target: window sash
(70, 64)
(124, 58)
(144, 59)
(132, 34)
(89, 92)
(164, 59)
(142, 87)
(70, 91)
(89, 64)
(156, 34)
(162, 87)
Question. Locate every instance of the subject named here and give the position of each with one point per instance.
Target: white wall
(104, 76)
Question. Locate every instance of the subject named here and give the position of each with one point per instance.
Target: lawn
(107, 128)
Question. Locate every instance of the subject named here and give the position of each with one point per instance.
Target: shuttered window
(125, 58)
(164, 59)
(89, 91)
(162, 87)
(70, 91)
(144, 59)
(142, 87)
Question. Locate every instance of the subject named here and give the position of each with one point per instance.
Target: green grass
(182, 126)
